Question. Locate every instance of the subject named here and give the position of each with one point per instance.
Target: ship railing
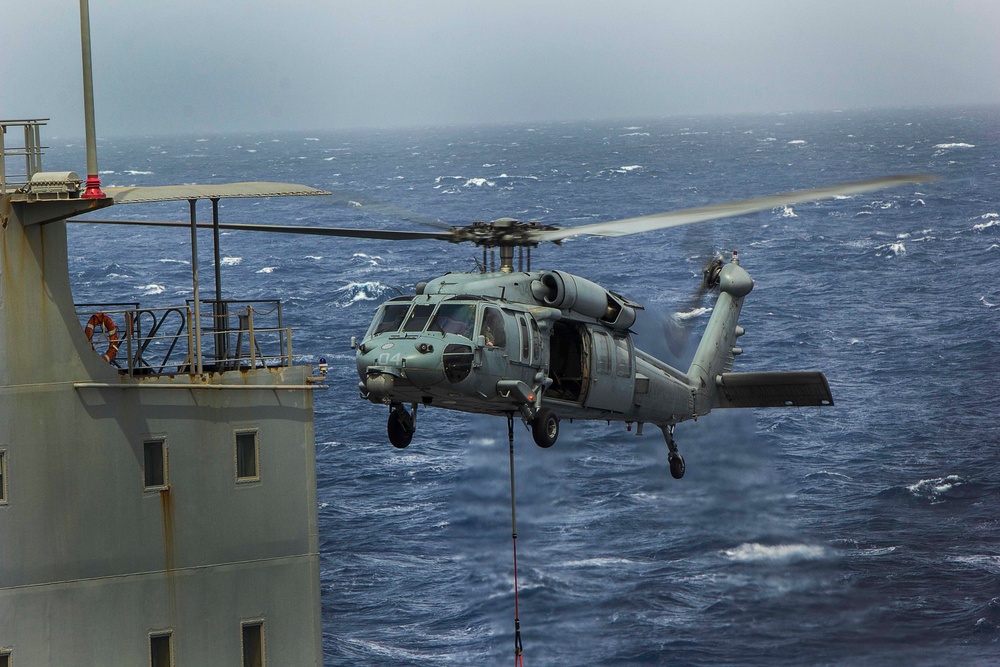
(243, 334)
(15, 153)
(235, 335)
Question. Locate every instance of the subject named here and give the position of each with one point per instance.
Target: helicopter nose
(400, 363)
(422, 366)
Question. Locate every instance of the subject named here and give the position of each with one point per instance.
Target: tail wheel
(545, 427)
(400, 429)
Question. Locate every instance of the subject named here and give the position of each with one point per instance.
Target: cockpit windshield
(449, 318)
(391, 317)
(418, 318)
(454, 318)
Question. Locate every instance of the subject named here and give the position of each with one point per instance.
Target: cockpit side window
(493, 328)
(391, 317)
(454, 318)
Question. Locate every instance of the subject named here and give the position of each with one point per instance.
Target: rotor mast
(505, 234)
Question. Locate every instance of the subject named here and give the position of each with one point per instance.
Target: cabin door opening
(569, 365)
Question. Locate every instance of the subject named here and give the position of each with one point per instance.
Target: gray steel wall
(90, 563)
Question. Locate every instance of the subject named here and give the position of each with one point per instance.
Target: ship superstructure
(157, 465)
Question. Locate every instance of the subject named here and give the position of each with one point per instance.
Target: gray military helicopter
(548, 345)
(544, 346)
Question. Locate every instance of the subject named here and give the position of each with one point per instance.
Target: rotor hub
(500, 233)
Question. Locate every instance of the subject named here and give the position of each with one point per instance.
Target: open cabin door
(612, 371)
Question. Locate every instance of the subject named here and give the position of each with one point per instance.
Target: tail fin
(717, 349)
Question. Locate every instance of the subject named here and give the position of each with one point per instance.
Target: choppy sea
(865, 533)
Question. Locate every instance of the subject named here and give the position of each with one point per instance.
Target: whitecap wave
(753, 552)
(891, 250)
(136, 172)
(933, 489)
(151, 289)
(960, 144)
(797, 142)
(992, 220)
(266, 269)
(597, 562)
(372, 260)
(987, 562)
(231, 261)
(356, 292)
(478, 182)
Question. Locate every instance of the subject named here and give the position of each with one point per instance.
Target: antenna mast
(93, 183)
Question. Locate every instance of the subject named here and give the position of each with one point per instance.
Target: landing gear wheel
(545, 427)
(676, 465)
(399, 428)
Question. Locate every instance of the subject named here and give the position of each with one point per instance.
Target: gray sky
(205, 65)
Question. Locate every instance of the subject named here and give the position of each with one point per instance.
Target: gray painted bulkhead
(90, 562)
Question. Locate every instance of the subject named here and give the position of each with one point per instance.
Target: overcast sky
(206, 65)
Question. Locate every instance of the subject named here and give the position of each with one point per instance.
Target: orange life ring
(110, 330)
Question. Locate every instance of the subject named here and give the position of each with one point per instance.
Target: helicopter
(548, 345)
(544, 345)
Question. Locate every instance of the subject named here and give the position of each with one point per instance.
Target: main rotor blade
(648, 223)
(383, 234)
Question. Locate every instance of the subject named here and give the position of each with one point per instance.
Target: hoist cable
(518, 648)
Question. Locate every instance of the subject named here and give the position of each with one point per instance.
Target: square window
(253, 644)
(247, 456)
(5, 659)
(161, 650)
(154, 464)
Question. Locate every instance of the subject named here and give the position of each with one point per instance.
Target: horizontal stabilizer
(773, 390)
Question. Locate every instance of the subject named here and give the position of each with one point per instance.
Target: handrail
(238, 341)
(31, 150)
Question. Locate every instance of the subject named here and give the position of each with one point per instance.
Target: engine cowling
(565, 291)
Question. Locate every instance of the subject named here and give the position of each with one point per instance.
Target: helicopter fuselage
(548, 345)
(500, 343)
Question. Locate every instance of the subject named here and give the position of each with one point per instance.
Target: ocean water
(865, 533)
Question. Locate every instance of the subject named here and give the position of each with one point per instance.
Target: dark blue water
(865, 533)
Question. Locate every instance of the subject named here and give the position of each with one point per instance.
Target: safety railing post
(253, 339)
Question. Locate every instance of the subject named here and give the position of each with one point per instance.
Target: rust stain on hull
(167, 510)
